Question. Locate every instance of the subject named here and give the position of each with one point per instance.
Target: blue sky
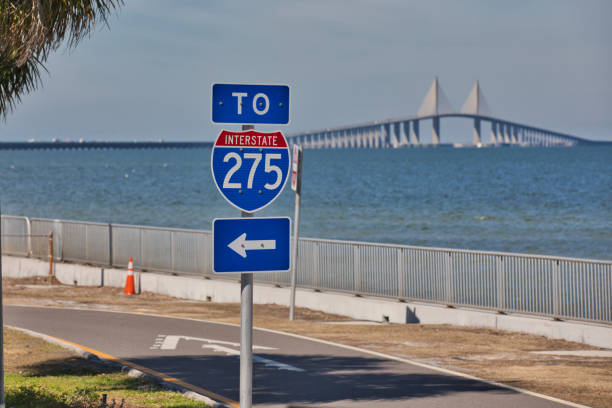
(545, 63)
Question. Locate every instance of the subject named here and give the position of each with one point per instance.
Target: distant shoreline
(101, 145)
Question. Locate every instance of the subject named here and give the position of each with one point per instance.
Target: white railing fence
(557, 287)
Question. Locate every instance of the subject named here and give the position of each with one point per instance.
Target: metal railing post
(60, 239)
(357, 272)
(317, 282)
(86, 243)
(141, 260)
(50, 257)
(29, 232)
(556, 290)
(110, 245)
(500, 277)
(449, 283)
(401, 282)
(172, 268)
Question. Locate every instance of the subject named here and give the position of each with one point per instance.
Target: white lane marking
(276, 364)
(170, 342)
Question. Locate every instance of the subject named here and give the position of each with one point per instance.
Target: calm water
(547, 201)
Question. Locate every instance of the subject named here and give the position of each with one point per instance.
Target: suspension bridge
(395, 133)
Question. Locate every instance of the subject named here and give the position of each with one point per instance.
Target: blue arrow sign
(251, 244)
(250, 104)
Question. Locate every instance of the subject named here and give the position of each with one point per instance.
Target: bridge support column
(386, 135)
(500, 133)
(414, 135)
(373, 137)
(403, 133)
(507, 133)
(477, 131)
(397, 137)
(494, 133)
(376, 137)
(514, 135)
(529, 137)
(435, 137)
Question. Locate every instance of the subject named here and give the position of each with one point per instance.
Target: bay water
(555, 201)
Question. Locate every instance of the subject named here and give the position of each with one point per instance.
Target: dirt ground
(496, 355)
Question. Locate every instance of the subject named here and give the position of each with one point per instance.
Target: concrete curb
(130, 371)
(358, 308)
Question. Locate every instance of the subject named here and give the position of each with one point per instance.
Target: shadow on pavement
(324, 379)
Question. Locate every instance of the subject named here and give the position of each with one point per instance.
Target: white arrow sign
(240, 245)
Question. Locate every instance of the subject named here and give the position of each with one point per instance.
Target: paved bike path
(287, 369)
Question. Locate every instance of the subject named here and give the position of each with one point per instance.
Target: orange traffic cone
(129, 283)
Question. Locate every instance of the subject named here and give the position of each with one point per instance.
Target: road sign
(250, 168)
(251, 244)
(295, 167)
(250, 104)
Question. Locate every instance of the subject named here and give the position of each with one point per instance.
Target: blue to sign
(250, 168)
(251, 245)
(250, 104)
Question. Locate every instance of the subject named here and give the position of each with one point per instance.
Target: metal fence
(558, 287)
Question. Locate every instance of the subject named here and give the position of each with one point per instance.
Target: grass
(40, 374)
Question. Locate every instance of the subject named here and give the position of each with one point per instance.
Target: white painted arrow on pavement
(170, 342)
(240, 245)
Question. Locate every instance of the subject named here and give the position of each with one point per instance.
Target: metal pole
(50, 258)
(246, 330)
(298, 191)
(2, 402)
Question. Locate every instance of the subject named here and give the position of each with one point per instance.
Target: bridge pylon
(435, 103)
(476, 104)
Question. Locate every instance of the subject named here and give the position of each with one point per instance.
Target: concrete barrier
(361, 308)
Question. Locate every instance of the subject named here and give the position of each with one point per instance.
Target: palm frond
(17, 80)
(31, 29)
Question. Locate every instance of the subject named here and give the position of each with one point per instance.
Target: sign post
(246, 328)
(250, 169)
(296, 185)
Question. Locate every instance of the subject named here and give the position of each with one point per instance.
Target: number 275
(256, 157)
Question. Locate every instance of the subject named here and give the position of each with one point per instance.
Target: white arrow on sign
(240, 245)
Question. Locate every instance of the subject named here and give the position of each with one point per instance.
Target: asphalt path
(288, 370)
